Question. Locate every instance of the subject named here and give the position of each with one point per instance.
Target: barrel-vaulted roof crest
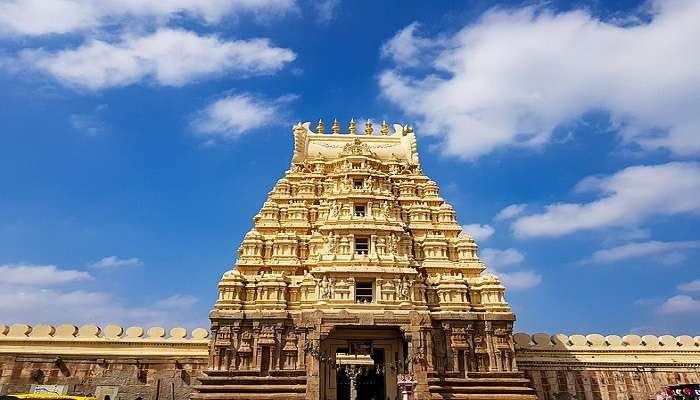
(399, 145)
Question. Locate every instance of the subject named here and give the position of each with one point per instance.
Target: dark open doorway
(370, 383)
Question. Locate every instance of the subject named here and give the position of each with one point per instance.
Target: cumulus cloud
(326, 10)
(520, 280)
(496, 258)
(406, 48)
(36, 294)
(692, 286)
(514, 76)
(41, 17)
(116, 262)
(33, 305)
(172, 57)
(680, 304)
(510, 212)
(40, 275)
(643, 249)
(177, 301)
(478, 231)
(626, 198)
(234, 115)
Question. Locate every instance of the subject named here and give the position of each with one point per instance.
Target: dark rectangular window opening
(363, 292)
(359, 210)
(358, 183)
(362, 246)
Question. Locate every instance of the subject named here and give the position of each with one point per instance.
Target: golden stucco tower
(355, 254)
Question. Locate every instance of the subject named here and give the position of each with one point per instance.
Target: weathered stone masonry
(147, 366)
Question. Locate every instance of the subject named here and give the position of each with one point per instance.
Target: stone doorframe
(388, 338)
(320, 325)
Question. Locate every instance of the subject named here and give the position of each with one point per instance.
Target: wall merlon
(112, 341)
(596, 341)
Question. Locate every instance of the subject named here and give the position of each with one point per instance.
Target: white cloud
(32, 305)
(234, 115)
(510, 212)
(24, 297)
(515, 75)
(41, 17)
(692, 286)
(177, 301)
(326, 10)
(407, 49)
(631, 234)
(40, 275)
(641, 249)
(89, 124)
(478, 231)
(520, 280)
(496, 258)
(115, 262)
(680, 304)
(172, 57)
(627, 197)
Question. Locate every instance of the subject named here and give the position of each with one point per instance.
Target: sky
(138, 139)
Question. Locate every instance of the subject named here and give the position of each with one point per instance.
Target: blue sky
(138, 140)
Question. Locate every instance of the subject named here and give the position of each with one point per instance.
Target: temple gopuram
(357, 282)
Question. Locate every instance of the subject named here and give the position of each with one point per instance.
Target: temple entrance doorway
(265, 360)
(379, 352)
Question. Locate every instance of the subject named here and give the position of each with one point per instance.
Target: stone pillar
(313, 369)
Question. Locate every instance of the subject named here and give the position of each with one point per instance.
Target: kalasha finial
(385, 128)
(320, 128)
(368, 127)
(353, 126)
(335, 128)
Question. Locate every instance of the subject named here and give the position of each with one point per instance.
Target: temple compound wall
(134, 364)
(606, 367)
(150, 365)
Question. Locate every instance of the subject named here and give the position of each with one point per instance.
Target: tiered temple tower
(355, 253)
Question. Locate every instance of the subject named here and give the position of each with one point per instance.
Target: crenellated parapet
(611, 350)
(112, 340)
(608, 367)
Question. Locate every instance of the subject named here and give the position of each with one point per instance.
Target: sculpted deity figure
(348, 183)
(381, 245)
(393, 244)
(326, 288)
(331, 243)
(385, 209)
(369, 183)
(403, 288)
(335, 209)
